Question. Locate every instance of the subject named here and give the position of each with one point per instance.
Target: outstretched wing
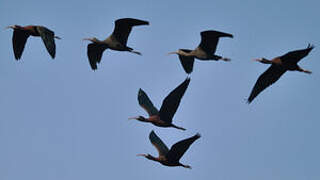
(296, 56)
(94, 53)
(47, 37)
(19, 40)
(146, 103)
(123, 28)
(171, 103)
(178, 149)
(157, 142)
(270, 76)
(186, 62)
(209, 40)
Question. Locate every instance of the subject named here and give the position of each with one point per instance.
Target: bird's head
(13, 27)
(263, 60)
(139, 118)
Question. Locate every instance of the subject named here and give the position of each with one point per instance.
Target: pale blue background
(61, 121)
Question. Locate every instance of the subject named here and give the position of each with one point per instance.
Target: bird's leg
(181, 128)
(215, 57)
(225, 59)
(136, 52)
(185, 166)
(304, 70)
(131, 50)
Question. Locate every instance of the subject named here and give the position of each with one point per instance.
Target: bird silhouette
(279, 65)
(170, 157)
(116, 41)
(22, 33)
(205, 50)
(170, 104)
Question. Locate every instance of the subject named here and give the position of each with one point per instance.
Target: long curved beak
(57, 37)
(8, 27)
(144, 155)
(86, 39)
(132, 118)
(172, 53)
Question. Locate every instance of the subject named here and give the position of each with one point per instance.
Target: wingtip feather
(198, 135)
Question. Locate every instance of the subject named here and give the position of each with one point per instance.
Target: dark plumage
(170, 104)
(205, 50)
(279, 66)
(21, 34)
(170, 157)
(116, 41)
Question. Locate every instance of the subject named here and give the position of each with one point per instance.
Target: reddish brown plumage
(31, 30)
(22, 33)
(116, 41)
(279, 65)
(172, 156)
(170, 104)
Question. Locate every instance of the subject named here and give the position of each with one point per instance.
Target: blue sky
(60, 120)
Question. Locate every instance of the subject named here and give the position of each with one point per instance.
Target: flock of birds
(163, 117)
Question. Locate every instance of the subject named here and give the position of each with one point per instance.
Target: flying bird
(205, 50)
(170, 157)
(170, 104)
(279, 65)
(21, 34)
(116, 41)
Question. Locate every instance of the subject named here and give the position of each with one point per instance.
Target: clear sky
(59, 120)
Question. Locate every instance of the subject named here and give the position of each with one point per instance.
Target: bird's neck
(143, 119)
(150, 157)
(94, 40)
(265, 61)
(183, 53)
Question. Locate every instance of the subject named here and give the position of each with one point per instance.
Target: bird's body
(170, 104)
(172, 156)
(279, 65)
(156, 120)
(22, 33)
(116, 41)
(30, 30)
(205, 50)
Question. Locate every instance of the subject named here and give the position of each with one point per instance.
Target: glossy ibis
(21, 34)
(170, 104)
(170, 157)
(279, 65)
(116, 41)
(205, 50)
